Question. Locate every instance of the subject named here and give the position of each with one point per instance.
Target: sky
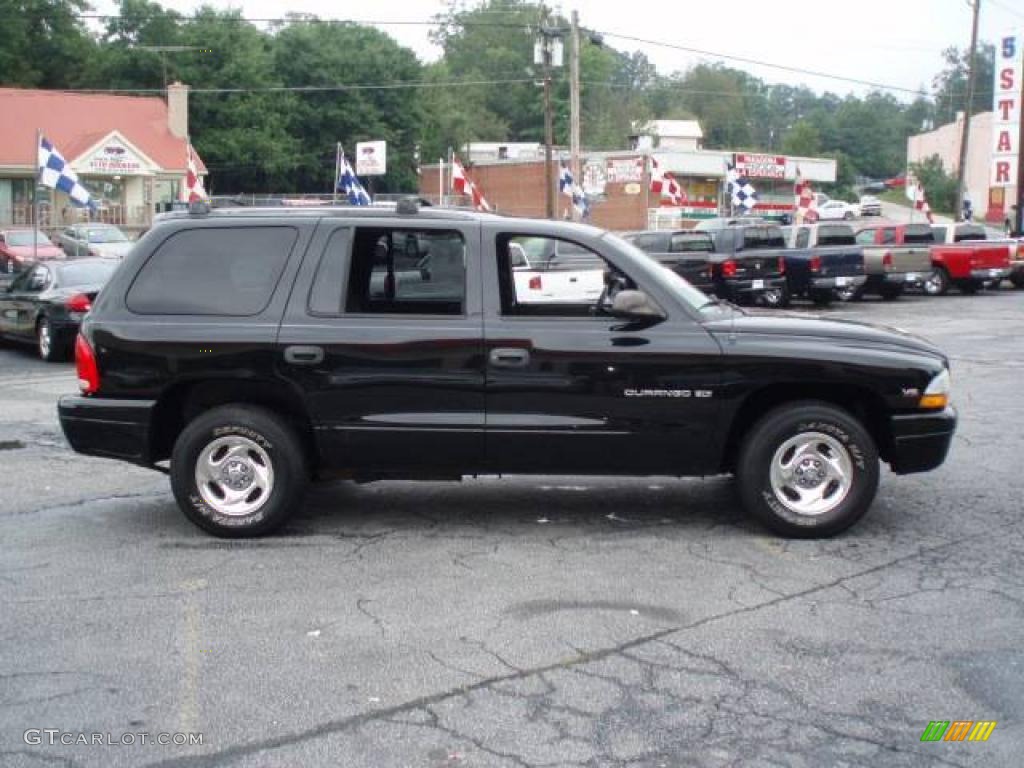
(890, 42)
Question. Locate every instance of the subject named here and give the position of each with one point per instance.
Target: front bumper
(920, 441)
(116, 429)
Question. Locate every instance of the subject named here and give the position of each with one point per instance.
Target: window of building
(407, 271)
(564, 279)
(207, 271)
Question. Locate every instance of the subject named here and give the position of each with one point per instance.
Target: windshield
(87, 273)
(24, 237)
(107, 235)
(673, 283)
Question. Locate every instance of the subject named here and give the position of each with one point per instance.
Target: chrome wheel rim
(933, 284)
(44, 340)
(811, 474)
(234, 475)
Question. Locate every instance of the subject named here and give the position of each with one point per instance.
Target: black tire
(843, 433)
(275, 443)
(937, 284)
(850, 293)
(890, 292)
(1017, 279)
(49, 347)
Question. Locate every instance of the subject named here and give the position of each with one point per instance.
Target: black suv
(258, 349)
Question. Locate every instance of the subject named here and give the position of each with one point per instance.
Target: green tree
(939, 186)
(950, 84)
(43, 44)
(802, 140)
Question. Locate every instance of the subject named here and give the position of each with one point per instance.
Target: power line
(757, 62)
(309, 88)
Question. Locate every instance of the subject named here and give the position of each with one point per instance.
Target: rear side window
(867, 237)
(835, 234)
(407, 271)
(918, 234)
(222, 272)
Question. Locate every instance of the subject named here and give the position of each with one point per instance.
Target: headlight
(937, 393)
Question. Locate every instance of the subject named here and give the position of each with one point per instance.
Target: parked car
(874, 188)
(748, 263)
(104, 240)
(962, 256)
(684, 251)
(896, 182)
(221, 346)
(896, 256)
(45, 303)
(833, 210)
(824, 262)
(548, 272)
(17, 249)
(870, 206)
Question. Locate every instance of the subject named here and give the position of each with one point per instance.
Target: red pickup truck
(963, 256)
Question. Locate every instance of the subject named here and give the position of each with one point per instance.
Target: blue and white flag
(348, 182)
(741, 190)
(54, 172)
(568, 187)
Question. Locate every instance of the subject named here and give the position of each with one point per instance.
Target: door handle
(298, 355)
(509, 357)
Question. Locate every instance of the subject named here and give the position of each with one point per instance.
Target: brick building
(617, 184)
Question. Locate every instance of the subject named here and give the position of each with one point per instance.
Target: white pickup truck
(545, 276)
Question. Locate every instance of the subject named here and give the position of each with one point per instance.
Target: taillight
(887, 260)
(85, 364)
(78, 303)
(815, 263)
(535, 284)
(782, 265)
(728, 268)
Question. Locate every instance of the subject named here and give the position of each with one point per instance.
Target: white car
(870, 206)
(837, 209)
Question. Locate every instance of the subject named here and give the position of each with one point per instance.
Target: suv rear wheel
(808, 470)
(238, 471)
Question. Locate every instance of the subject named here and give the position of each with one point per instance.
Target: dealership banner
(371, 158)
(761, 166)
(1006, 104)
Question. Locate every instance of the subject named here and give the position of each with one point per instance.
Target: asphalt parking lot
(554, 621)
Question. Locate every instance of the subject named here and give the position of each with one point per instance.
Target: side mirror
(634, 305)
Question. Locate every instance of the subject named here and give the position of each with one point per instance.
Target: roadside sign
(371, 158)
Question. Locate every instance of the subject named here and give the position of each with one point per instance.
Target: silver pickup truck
(896, 256)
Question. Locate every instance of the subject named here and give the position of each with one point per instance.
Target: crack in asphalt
(426, 701)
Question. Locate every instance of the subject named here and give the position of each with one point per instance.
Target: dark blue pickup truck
(824, 262)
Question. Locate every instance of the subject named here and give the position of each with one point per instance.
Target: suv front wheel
(238, 471)
(808, 470)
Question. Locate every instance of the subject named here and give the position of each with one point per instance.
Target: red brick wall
(518, 189)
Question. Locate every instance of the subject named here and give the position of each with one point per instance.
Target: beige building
(944, 141)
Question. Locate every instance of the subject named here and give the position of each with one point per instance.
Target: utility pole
(966, 133)
(547, 51)
(574, 106)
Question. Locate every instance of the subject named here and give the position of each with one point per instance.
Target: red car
(963, 256)
(17, 250)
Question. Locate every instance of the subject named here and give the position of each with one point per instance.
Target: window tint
(227, 272)
(835, 234)
(406, 271)
(568, 284)
(866, 237)
(969, 232)
(326, 293)
(691, 243)
(87, 273)
(918, 233)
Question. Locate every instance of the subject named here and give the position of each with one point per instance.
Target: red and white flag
(465, 186)
(916, 194)
(805, 202)
(192, 190)
(665, 186)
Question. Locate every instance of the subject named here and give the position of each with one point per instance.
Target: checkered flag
(741, 190)
(54, 172)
